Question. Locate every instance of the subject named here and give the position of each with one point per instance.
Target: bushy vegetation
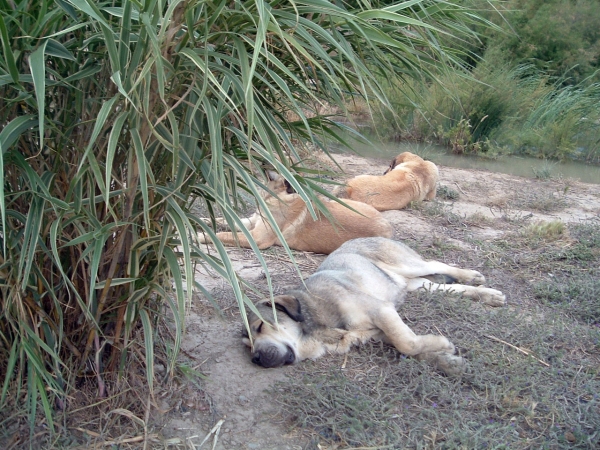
(560, 37)
(531, 90)
(117, 118)
(502, 110)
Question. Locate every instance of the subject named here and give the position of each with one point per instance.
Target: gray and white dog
(353, 297)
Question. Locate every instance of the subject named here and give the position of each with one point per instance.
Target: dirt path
(238, 392)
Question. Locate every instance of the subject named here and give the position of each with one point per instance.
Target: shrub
(514, 110)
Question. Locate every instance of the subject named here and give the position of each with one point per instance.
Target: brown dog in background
(409, 178)
(300, 230)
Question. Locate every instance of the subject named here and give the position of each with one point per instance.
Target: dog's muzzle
(271, 356)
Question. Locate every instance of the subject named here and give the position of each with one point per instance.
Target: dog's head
(275, 345)
(402, 158)
(277, 184)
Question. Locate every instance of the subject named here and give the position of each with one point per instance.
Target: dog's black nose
(271, 357)
(290, 358)
(268, 357)
(265, 358)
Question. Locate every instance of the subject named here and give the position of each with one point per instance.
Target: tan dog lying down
(409, 178)
(353, 297)
(299, 229)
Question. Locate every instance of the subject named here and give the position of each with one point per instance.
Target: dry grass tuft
(479, 219)
(542, 201)
(547, 231)
(447, 193)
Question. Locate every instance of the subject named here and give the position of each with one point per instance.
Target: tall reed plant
(501, 109)
(117, 117)
(563, 122)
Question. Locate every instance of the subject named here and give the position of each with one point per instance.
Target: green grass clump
(587, 234)
(572, 281)
(545, 171)
(435, 209)
(547, 231)
(447, 193)
(502, 109)
(578, 296)
(577, 253)
(542, 201)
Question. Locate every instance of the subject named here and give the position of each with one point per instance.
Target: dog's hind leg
(460, 275)
(431, 194)
(416, 267)
(263, 238)
(248, 222)
(488, 296)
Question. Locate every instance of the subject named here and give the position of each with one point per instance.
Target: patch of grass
(543, 248)
(439, 249)
(384, 399)
(542, 201)
(572, 275)
(446, 193)
(547, 231)
(579, 297)
(435, 209)
(576, 253)
(515, 217)
(587, 233)
(479, 219)
(506, 399)
(546, 171)
(543, 173)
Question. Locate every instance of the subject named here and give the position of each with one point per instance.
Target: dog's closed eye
(254, 330)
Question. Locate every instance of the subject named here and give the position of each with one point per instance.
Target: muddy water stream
(514, 165)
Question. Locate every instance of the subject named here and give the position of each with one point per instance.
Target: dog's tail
(441, 278)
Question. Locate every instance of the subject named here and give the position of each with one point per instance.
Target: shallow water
(513, 165)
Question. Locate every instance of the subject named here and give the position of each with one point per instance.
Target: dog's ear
(289, 305)
(392, 165)
(288, 187)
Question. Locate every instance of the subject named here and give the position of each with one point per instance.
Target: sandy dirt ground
(235, 400)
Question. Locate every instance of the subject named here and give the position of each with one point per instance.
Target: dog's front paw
(449, 347)
(451, 365)
(432, 343)
(477, 279)
(448, 363)
(491, 297)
